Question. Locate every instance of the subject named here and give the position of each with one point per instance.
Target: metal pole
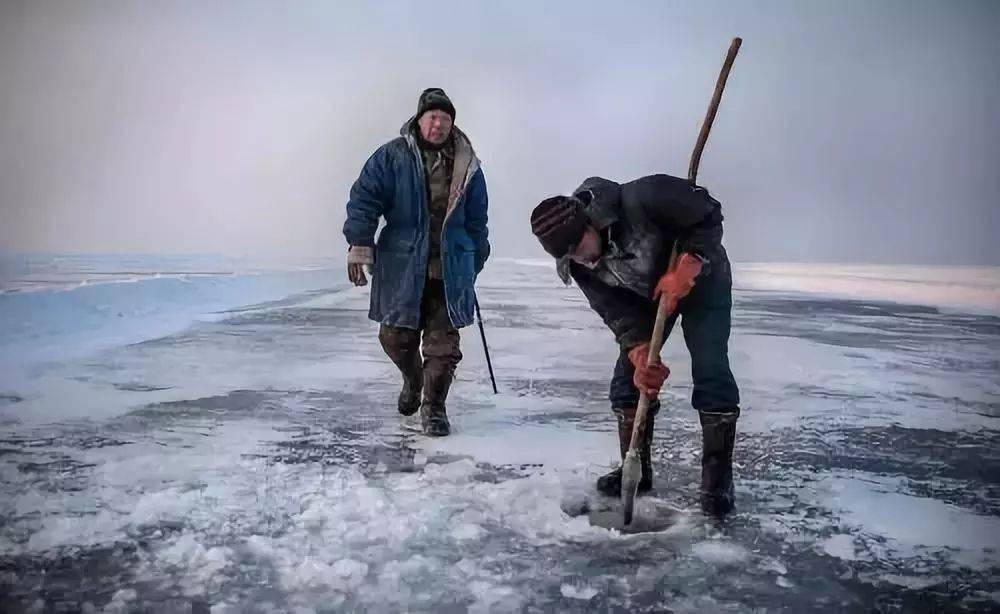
(486, 348)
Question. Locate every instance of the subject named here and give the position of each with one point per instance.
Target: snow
(583, 593)
(906, 525)
(251, 459)
(966, 289)
(840, 546)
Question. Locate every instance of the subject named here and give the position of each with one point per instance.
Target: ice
(910, 525)
(840, 546)
(468, 531)
(913, 582)
(253, 460)
(202, 566)
(530, 445)
(584, 593)
(774, 565)
(120, 601)
(720, 553)
(491, 598)
(958, 288)
(955, 287)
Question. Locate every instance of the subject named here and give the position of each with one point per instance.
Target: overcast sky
(849, 131)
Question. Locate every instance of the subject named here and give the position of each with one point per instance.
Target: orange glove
(648, 378)
(678, 282)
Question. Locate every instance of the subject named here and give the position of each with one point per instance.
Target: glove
(356, 273)
(677, 283)
(648, 378)
(359, 258)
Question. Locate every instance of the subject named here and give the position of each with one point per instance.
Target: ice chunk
(351, 572)
(840, 546)
(584, 593)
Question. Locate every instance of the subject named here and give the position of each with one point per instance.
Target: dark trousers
(441, 353)
(705, 316)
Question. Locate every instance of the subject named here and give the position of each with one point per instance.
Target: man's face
(588, 250)
(435, 126)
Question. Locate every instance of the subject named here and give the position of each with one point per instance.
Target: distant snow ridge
(974, 289)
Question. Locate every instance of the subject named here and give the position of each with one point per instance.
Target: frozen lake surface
(226, 441)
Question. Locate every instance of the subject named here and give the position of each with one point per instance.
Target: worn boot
(718, 437)
(433, 415)
(409, 396)
(402, 346)
(611, 484)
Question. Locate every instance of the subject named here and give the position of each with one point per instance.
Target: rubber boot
(718, 438)
(409, 396)
(611, 484)
(402, 346)
(433, 415)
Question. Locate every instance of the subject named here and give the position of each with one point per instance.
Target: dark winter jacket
(392, 185)
(639, 222)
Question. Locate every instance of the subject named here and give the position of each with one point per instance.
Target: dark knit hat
(434, 98)
(559, 223)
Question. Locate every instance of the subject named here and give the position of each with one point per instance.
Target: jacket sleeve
(370, 196)
(629, 316)
(476, 218)
(686, 211)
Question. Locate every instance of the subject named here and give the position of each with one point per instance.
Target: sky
(849, 131)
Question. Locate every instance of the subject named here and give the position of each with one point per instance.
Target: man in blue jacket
(428, 187)
(615, 240)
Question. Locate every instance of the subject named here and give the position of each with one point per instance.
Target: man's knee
(397, 341)
(443, 345)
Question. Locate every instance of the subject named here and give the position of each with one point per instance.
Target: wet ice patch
(913, 582)
(503, 439)
(877, 522)
(720, 552)
(910, 526)
(82, 530)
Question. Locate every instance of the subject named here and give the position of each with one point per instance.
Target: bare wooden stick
(631, 465)
(713, 107)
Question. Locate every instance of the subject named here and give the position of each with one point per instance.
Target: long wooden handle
(706, 127)
(662, 313)
(655, 345)
(631, 471)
